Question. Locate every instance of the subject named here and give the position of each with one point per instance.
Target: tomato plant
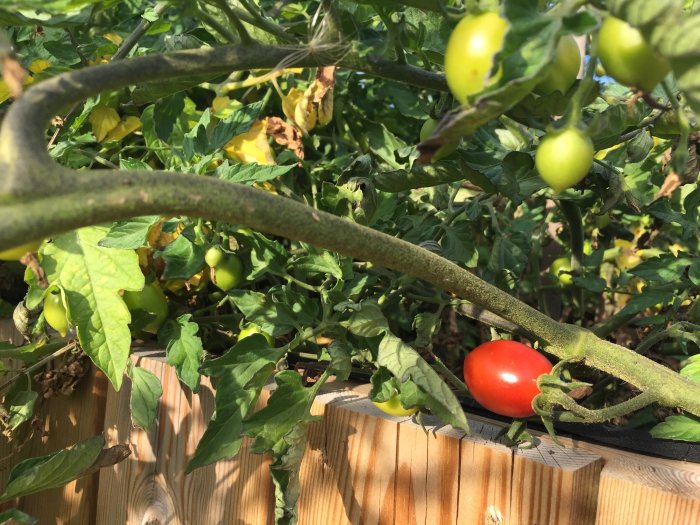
(14, 254)
(562, 73)
(55, 312)
(469, 57)
(252, 329)
(151, 303)
(228, 273)
(627, 57)
(393, 407)
(563, 158)
(560, 270)
(502, 376)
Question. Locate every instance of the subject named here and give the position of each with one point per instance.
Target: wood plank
(634, 493)
(151, 487)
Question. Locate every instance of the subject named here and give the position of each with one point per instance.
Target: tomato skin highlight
(627, 57)
(213, 256)
(393, 407)
(564, 70)
(469, 57)
(502, 376)
(228, 273)
(564, 158)
(55, 312)
(252, 329)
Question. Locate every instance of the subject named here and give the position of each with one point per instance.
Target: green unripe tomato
(55, 312)
(228, 273)
(627, 57)
(153, 302)
(252, 329)
(560, 269)
(469, 57)
(563, 72)
(393, 407)
(443, 151)
(564, 158)
(16, 253)
(213, 256)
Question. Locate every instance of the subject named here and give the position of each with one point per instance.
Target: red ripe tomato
(502, 376)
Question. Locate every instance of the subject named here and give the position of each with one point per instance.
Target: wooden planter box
(361, 467)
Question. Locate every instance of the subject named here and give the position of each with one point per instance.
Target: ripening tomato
(443, 151)
(563, 72)
(228, 273)
(16, 253)
(627, 57)
(469, 57)
(560, 270)
(55, 312)
(393, 407)
(502, 376)
(153, 302)
(564, 158)
(252, 329)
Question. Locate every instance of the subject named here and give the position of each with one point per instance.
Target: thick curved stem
(39, 198)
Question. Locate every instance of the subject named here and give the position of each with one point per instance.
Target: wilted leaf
(286, 135)
(103, 119)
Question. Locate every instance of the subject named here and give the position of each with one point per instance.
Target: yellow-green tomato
(627, 57)
(55, 312)
(393, 407)
(469, 57)
(213, 256)
(228, 273)
(560, 270)
(443, 151)
(16, 253)
(563, 72)
(564, 158)
(153, 302)
(252, 329)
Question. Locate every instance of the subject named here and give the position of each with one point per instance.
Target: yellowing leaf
(251, 146)
(299, 109)
(121, 130)
(39, 65)
(4, 91)
(103, 119)
(114, 38)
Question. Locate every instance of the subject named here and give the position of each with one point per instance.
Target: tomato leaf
(239, 376)
(130, 234)
(274, 318)
(682, 428)
(91, 277)
(183, 257)
(250, 173)
(53, 470)
(183, 348)
(666, 268)
(691, 369)
(146, 391)
(239, 122)
(17, 517)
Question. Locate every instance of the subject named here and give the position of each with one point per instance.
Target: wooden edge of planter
(361, 465)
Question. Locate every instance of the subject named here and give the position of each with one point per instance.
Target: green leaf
(251, 172)
(53, 470)
(285, 474)
(458, 244)
(183, 348)
(288, 406)
(318, 265)
(691, 368)
(421, 176)
(340, 354)
(666, 268)
(240, 375)
(682, 428)
(646, 299)
(129, 235)
(165, 113)
(91, 277)
(405, 363)
(369, 321)
(146, 391)
(425, 324)
(183, 257)
(17, 517)
(239, 122)
(274, 318)
(20, 407)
